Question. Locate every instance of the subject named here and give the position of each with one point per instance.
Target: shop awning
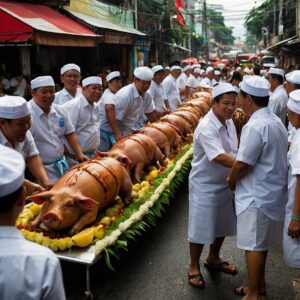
(103, 23)
(281, 42)
(21, 22)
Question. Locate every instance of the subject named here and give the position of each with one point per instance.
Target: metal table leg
(88, 293)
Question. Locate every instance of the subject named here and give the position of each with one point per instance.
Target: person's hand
(294, 229)
(231, 184)
(82, 157)
(47, 184)
(32, 188)
(118, 137)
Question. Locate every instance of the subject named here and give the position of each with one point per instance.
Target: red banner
(179, 10)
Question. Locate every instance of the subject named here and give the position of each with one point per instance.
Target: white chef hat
(176, 68)
(238, 69)
(209, 69)
(202, 71)
(167, 68)
(91, 80)
(276, 71)
(41, 81)
(113, 75)
(247, 71)
(197, 70)
(294, 101)
(12, 167)
(255, 86)
(222, 88)
(204, 85)
(217, 72)
(196, 66)
(293, 77)
(143, 73)
(187, 67)
(221, 66)
(13, 107)
(68, 67)
(157, 68)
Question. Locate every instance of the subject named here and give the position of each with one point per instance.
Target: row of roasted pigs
(75, 199)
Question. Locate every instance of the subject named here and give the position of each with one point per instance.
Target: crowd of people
(257, 158)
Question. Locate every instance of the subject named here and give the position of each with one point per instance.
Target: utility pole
(205, 30)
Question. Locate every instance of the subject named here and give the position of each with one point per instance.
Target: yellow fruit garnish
(153, 174)
(105, 220)
(99, 231)
(84, 237)
(136, 187)
(145, 184)
(35, 208)
(62, 244)
(151, 168)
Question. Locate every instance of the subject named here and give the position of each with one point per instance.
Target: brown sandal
(200, 283)
(222, 266)
(241, 291)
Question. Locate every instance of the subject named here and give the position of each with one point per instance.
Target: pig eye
(70, 205)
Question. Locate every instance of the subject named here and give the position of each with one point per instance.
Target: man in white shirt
(70, 78)
(28, 270)
(260, 174)
(171, 88)
(84, 116)
(279, 97)
(211, 211)
(182, 81)
(193, 82)
(109, 129)
(157, 92)
(209, 79)
(15, 122)
(18, 85)
(50, 124)
(134, 105)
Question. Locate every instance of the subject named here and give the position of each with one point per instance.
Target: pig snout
(51, 219)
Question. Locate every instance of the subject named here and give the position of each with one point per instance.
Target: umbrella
(190, 60)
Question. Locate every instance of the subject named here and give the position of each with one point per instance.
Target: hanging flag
(179, 10)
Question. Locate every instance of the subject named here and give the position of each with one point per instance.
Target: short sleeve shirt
(278, 103)
(107, 98)
(158, 94)
(64, 96)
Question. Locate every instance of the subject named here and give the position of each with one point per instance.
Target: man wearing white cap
(109, 129)
(279, 97)
(50, 124)
(171, 88)
(15, 122)
(70, 77)
(85, 117)
(193, 82)
(217, 76)
(211, 213)
(28, 270)
(247, 71)
(260, 175)
(209, 79)
(291, 232)
(182, 80)
(157, 92)
(167, 71)
(134, 105)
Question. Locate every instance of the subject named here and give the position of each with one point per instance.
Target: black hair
(115, 78)
(256, 70)
(7, 120)
(8, 201)
(278, 77)
(218, 98)
(237, 76)
(261, 101)
(159, 71)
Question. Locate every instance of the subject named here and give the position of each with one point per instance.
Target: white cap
(187, 67)
(294, 101)
(255, 86)
(276, 71)
(69, 67)
(13, 107)
(293, 77)
(217, 72)
(176, 68)
(221, 66)
(221, 89)
(196, 66)
(167, 68)
(42, 81)
(143, 73)
(204, 85)
(197, 70)
(157, 68)
(12, 167)
(112, 75)
(238, 69)
(91, 80)
(247, 71)
(209, 69)
(202, 71)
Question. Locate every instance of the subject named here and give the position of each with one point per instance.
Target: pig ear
(101, 154)
(125, 161)
(85, 203)
(40, 198)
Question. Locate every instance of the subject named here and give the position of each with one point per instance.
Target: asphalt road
(155, 267)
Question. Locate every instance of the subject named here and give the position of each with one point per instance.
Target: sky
(235, 12)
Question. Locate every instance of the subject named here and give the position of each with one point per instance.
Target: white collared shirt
(263, 146)
(131, 108)
(86, 120)
(182, 82)
(21, 87)
(171, 89)
(28, 270)
(278, 102)
(211, 139)
(26, 148)
(106, 99)
(206, 80)
(158, 94)
(49, 130)
(64, 96)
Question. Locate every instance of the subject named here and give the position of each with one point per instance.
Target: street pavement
(156, 266)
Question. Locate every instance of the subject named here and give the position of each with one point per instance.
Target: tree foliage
(222, 33)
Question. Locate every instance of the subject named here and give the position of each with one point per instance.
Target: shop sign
(116, 38)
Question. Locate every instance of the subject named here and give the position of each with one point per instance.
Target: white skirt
(256, 231)
(207, 221)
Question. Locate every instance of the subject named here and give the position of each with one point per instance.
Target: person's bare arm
(224, 160)
(75, 145)
(294, 226)
(238, 171)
